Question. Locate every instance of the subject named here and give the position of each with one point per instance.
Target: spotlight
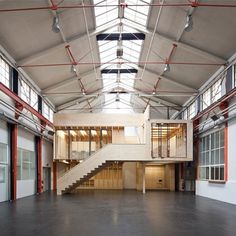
(55, 25)
(73, 69)
(189, 23)
(117, 97)
(167, 68)
(214, 117)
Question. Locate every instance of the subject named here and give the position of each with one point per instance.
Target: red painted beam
(79, 6)
(25, 105)
(14, 134)
(54, 176)
(39, 164)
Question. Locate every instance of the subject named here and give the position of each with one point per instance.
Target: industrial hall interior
(118, 117)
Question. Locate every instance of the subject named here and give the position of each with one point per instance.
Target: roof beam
(116, 71)
(65, 82)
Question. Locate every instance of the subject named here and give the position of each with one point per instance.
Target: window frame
(207, 160)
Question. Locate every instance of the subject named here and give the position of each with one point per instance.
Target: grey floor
(111, 213)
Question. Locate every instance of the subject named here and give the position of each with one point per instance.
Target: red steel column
(39, 164)
(226, 151)
(14, 134)
(54, 176)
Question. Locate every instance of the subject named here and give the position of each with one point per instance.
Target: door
(3, 183)
(46, 179)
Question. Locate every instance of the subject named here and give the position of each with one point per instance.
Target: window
(34, 99)
(3, 153)
(206, 99)
(185, 114)
(234, 73)
(4, 73)
(216, 91)
(47, 112)
(26, 165)
(211, 159)
(192, 110)
(28, 95)
(25, 91)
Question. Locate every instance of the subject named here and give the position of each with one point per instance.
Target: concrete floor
(111, 213)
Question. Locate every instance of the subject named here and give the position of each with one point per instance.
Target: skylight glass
(134, 21)
(105, 14)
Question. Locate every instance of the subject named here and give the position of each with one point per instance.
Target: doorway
(46, 179)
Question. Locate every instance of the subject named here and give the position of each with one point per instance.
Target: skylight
(127, 37)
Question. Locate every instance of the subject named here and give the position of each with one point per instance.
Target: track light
(73, 69)
(117, 97)
(167, 68)
(189, 23)
(55, 25)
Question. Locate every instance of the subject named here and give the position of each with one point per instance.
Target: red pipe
(55, 7)
(73, 61)
(25, 105)
(126, 62)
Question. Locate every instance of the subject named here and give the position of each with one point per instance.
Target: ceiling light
(73, 69)
(73, 133)
(189, 23)
(55, 25)
(117, 97)
(214, 117)
(119, 52)
(93, 132)
(83, 132)
(167, 68)
(104, 132)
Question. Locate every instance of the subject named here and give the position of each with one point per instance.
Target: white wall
(223, 192)
(3, 132)
(26, 141)
(25, 188)
(47, 154)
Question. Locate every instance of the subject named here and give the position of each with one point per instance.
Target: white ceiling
(29, 38)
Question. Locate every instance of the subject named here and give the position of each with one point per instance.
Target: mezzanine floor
(111, 213)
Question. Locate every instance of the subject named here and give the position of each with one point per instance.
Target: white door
(3, 183)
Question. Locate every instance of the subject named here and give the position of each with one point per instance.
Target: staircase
(97, 161)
